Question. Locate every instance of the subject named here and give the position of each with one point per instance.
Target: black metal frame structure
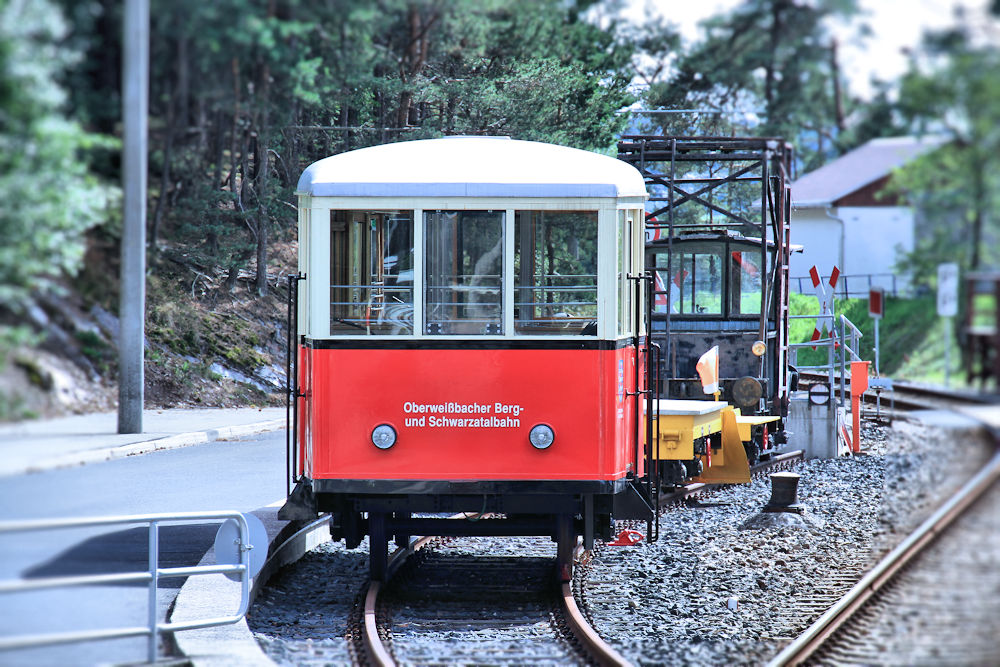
(741, 185)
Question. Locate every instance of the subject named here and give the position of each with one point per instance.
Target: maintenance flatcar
(470, 336)
(718, 246)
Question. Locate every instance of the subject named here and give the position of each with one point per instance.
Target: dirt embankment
(210, 342)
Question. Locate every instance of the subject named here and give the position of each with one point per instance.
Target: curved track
(697, 489)
(390, 631)
(394, 613)
(925, 599)
(912, 396)
(475, 610)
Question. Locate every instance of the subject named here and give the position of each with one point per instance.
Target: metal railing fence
(151, 577)
(841, 350)
(857, 285)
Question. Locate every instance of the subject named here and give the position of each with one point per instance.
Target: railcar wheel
(672, 473)
(378, 546)
(565, 544)
(752, 450)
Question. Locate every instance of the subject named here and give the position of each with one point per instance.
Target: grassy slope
(911, 336)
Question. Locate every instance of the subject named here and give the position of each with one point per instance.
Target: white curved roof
(471, 167)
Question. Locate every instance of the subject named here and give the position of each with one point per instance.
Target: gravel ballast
(717, 588)
(713, 591)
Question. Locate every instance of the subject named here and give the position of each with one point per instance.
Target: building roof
(854, 170)
(471, 167)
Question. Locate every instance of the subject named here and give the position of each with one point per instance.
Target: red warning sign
(876, 302)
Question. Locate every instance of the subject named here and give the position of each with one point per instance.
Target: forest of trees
(245, 93)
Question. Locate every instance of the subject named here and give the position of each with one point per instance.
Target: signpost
(947, 307)
(876, 308)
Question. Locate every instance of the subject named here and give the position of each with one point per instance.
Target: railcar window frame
(315, 262)
(569, 300)
(369, 263)
(729, 247)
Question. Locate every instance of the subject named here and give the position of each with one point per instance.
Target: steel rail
(378, 655)
(839, 614)
(909, 395)
(779, 459)
(375, 649)
(695, 488)
(596, 648)
(602, 653)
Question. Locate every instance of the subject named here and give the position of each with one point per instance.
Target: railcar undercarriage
(384, 511)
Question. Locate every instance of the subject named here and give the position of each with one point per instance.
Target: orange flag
(708, 370)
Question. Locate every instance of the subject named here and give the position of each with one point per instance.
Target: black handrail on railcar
(292, 394)
(652, 390)
(649, 483)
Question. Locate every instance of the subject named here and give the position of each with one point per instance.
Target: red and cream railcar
(466, 342)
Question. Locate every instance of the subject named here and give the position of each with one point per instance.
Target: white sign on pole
(947, 291)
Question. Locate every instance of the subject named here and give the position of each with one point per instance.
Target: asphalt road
(238, 476)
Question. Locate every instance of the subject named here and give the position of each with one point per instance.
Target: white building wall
(865, 242)
(875, 238)
(821, 237)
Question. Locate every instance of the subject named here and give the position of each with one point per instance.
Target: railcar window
(371, 271)
(555, 273)
(464, 267)
(744, 283)
(697, 281)
(625, 266)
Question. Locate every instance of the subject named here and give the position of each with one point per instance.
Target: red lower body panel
(465, 414)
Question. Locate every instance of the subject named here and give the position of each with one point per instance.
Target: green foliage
(96, 349)
(14, 408)
(766, 66)
(49, 197)
(243, 95)
(952, 90)
(191, 331)
(907, 325)
(14, 337)
(530, 69)
(13, 405)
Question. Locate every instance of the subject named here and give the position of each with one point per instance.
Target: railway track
(438, 603)
(453, 602)
(697, 490)
(924, 603)
(416, 626)
(910, 396)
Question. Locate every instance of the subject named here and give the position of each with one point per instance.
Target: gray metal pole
(132, 304)
(947, 351)
(878, 370)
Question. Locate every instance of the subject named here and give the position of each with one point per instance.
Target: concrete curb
(145, 447)
(212, 596)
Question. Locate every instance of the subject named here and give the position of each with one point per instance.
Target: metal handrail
(152, 577)
(839, 347)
